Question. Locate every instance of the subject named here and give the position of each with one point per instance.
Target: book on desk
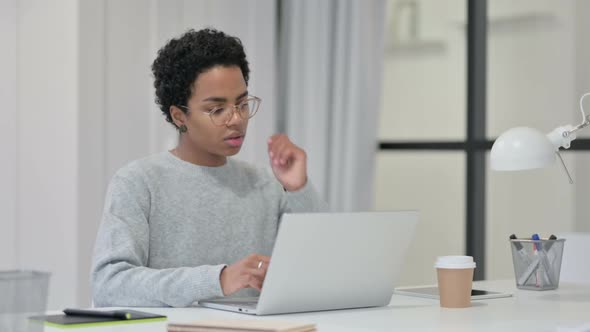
(241, 325)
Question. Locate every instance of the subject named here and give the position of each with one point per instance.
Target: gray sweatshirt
(169, 227)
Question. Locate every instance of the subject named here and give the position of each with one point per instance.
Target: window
(452, 84)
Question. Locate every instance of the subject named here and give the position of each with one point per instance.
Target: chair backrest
(575, 266)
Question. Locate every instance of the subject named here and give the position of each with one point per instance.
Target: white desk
(538, 311)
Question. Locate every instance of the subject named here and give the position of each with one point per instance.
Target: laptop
(327, 261)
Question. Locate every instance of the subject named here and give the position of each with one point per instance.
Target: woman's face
(217, 87)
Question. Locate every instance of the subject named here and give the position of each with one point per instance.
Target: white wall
(531, 68)
(77, 104)
(39, 136)
(92, 152)
(8, 143)
(407, 180)
(423, 94)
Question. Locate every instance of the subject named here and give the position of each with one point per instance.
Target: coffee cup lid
(454, 262)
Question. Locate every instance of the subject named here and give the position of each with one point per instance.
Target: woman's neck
(189, 153)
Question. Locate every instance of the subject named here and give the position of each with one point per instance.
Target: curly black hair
(181, 60)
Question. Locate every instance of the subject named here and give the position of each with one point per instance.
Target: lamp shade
(522, 148)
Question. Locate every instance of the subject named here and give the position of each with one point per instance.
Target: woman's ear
(178, 116)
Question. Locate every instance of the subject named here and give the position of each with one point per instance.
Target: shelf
(415, 47)
(518, 20)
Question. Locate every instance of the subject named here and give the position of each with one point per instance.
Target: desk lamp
(523, 148)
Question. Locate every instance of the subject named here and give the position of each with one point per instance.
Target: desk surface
(538, 311)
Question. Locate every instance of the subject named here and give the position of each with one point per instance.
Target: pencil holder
(537, 263)
(22, 294)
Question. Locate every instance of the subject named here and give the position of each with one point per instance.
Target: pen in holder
(537, 263)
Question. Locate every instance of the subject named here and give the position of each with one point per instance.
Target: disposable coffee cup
(455, 278)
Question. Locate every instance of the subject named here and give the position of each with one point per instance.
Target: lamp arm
(586, 123)
(561, 137)
(585, 118)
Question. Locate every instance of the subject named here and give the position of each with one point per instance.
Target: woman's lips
(235, 141)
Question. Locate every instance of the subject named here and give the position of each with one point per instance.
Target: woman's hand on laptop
(246, 273)
(288, 162)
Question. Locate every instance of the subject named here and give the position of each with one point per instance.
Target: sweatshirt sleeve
(305, 199)
(120, 276)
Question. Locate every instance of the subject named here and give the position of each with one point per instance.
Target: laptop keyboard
(245, 304)
(250, 305)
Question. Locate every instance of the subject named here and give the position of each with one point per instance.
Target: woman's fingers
(281, 151)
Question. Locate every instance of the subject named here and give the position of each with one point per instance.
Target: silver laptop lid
(324, 261)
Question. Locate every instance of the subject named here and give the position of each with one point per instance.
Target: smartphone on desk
(431, 292)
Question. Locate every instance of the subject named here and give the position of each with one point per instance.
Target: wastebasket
(22, 294)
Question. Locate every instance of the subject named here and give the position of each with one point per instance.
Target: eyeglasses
(222, 115)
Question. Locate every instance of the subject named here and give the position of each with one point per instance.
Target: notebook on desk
(66, 321)
(325, 261)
